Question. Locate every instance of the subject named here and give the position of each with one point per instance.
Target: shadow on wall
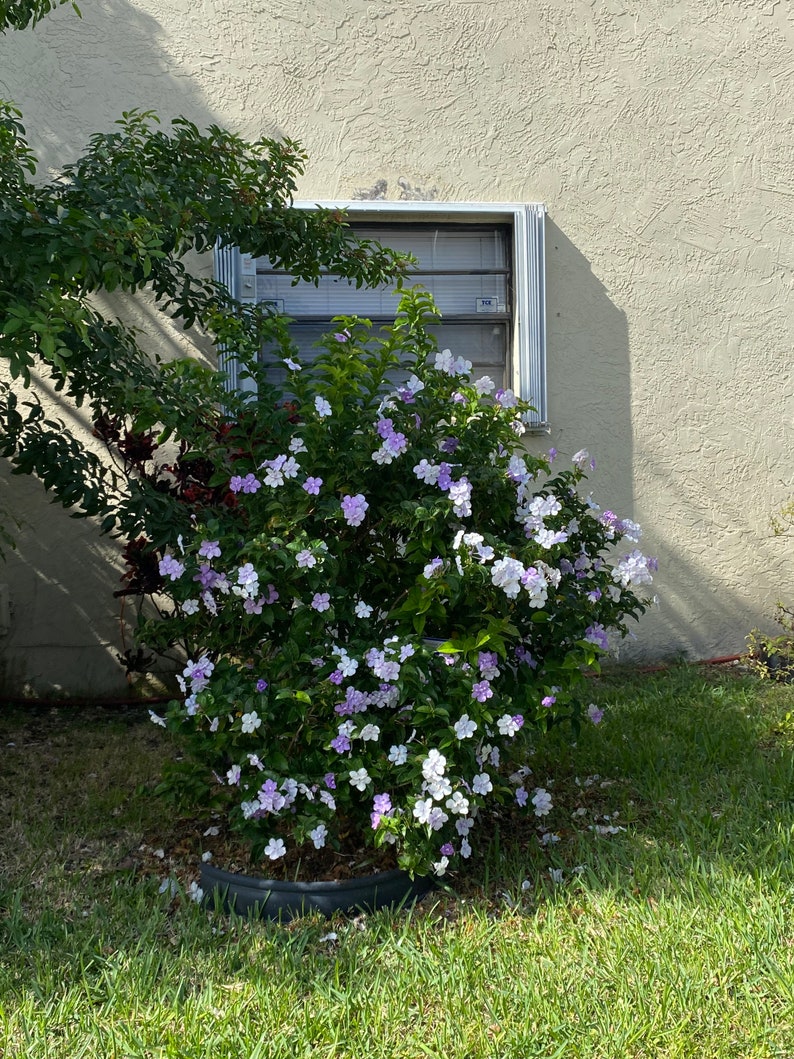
(74, 76)
(590, 406)
(71, 77)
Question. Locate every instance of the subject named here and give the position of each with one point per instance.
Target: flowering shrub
(393, 598)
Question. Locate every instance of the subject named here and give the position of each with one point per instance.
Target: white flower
(347, 666)
(555, 875)
(433, 765)
(369, 732)
(383, 455)
(550, 838)
(507, 726)
(206, 857)
(580, 458)
(290, 468)
(465, 849)
(427, 472)
(275, 848)
(233, 776)
(438, 787)
(465, 727)
(297, 445)
(633, 570)
(541, 799)
(423, 809)
(506, 574)
(363, 610)
(484, 385)
(190, 606)
(322, 406)
(156, 719)
(251, 721)
(359, 778)
(440, 866)
(458, 804)
(398, 755)
(292, 364)
(318, 836)
(632, 531)
(195, 893)
(481, 784)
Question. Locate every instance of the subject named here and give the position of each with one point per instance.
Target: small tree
(124, 217)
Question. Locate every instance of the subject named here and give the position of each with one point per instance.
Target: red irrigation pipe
(723, 660)
(5, 701)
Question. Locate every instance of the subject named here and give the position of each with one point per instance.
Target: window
(483, 263)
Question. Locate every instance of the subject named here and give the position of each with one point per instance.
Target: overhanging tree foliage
(17, 14)
(123, 218)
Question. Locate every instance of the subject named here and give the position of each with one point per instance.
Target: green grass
(673, 937)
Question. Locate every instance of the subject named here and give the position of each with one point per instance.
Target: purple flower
(597, 634)
(253, 606)
(447, 850)
(381, 806)
(552, 454)
(432, 567)
(594, 713)
(482, 691)
(272, 595)
(249, 484)
(342, 336)
(354, 508)
(312, 486)
(340, 744)
(330, 781)
(171, 567)
(488, 661)
(206, 576)
(336, 677)
(444, 477)
(460, 495)
(261, 685)
(449, 444)
(209, 550)
(523, 655)
(396, 443)
(247, 575)
(321, 601)
(521, 797)
(548, 700)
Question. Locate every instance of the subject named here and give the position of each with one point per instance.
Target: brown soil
(180, 849)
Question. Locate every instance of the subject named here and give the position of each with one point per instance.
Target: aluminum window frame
(527, 355)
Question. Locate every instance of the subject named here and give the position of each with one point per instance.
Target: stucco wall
(657, 134)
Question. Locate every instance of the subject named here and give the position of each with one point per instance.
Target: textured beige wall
(658, 135)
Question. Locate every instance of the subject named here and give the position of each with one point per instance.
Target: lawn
(654, 918)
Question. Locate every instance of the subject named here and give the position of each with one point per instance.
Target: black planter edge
(283, 901)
